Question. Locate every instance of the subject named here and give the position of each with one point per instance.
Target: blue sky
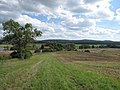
(66, 19)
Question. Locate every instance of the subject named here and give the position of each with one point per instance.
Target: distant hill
(79, 41)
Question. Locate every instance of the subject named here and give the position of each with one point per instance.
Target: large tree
(19, 36)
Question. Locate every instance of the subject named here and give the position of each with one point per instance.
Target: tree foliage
(57, 47)
(19, 36)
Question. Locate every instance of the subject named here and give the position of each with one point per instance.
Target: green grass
(15, 71)
(38, 45)
(45, 72)
(54, 75)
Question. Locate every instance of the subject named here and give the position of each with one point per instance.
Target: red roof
(46, 47)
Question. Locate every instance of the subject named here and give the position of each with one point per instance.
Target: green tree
(19, 36)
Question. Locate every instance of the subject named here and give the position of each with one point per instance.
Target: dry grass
(105, 61)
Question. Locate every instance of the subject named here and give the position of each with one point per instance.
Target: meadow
(64, 70)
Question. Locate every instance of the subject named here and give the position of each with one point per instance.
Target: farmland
(64, 70)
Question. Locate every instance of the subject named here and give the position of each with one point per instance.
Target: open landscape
(63, 70)
(59, 44)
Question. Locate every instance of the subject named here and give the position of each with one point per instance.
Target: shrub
(28, 54)
(76, 49)
(87, 51)
(69, 47)
(52, 47)
(15, 54)
(93, 46)
(23, 55)
(60, 46)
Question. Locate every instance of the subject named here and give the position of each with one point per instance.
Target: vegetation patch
(53, 47)
(19, 36)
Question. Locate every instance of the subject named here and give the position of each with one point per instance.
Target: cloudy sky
(66, 19)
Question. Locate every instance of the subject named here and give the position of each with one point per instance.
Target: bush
(76, 49)
(87, 51)
(15, 54)
(69, 47)
(52, 47)
(60, 46)
(23, 55)
(28, 54)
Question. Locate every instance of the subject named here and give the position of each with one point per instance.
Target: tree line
(52, 47)
(87, 46)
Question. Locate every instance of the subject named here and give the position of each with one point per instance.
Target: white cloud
(91, 1)
(36, 23)
(1, 31)
(78, 18)
(118, 15)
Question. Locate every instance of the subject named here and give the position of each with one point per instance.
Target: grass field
(63, 71)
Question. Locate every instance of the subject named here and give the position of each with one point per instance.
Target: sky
(66, 19)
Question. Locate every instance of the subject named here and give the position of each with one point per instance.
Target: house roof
(46, 47)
